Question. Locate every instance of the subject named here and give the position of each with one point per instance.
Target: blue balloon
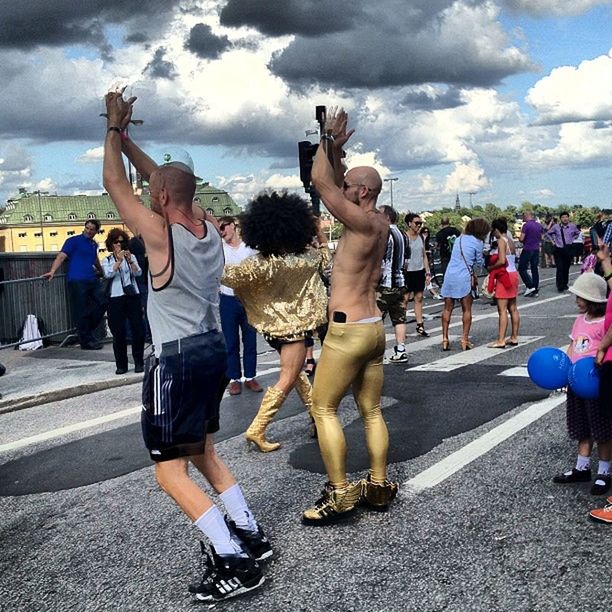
(584, 378)
(548, 367)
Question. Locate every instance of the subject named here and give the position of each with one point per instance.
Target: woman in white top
(504, 296)
(124, 303)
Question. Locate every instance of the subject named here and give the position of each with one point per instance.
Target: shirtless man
(355, 343)
(185, 378)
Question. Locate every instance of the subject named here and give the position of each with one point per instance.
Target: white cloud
(578, 144)
(575, 93)
(555, 7)
(91, 156)
(282, 181)
(466, 178)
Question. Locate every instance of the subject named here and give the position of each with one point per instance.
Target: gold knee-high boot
(304, 390)
(271, 402)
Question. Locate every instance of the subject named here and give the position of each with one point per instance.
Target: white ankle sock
(237, 508)
(583, 463)
(604, 467)
(400, 348)
(212, 525)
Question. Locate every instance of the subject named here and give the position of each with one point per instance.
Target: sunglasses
(418, 222)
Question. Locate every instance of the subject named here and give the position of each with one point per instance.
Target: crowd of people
(214, 284)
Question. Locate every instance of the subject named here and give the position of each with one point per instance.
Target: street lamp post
(390, 180)
(42, 230)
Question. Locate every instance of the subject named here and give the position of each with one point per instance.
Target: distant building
(42, 222)
(457, 202)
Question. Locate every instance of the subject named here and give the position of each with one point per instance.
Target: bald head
(365, 175)
(180, 185)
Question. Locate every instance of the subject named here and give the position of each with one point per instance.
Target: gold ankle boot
(334, 505)
(304, 390)
(272, 400)
(378, 496)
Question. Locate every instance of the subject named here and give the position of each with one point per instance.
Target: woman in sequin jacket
(282, 292)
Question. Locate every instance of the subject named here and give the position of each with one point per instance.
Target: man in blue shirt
(88, 303)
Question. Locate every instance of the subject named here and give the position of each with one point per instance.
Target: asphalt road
(84, 526)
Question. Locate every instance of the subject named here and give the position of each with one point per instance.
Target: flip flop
(497, 346)
(510, 343)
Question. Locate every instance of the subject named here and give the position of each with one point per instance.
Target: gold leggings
(352, 354)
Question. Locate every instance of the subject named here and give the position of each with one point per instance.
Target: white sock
(604, 467)
(238, 509)
(583, 463)
(400, 348)
(212, 525)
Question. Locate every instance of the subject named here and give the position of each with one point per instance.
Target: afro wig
(277, 224)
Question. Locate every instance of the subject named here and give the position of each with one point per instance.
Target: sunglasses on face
(418, 223)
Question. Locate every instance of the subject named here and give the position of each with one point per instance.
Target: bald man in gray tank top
(185, 377)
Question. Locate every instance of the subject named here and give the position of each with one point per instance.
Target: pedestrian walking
(417, 271)
(529, 259)
(460, 279)
(562, 235)
(445, 239)
(391, 291)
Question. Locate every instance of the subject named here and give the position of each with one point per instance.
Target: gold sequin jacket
(283, 296)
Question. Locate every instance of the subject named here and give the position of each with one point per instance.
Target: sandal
(466, 345)
(310, 367)
(511, 342)
(420, 330)
(445, 344)
(496, 345)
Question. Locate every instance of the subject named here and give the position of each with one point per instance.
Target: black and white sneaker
(227, 576)
(255, 542)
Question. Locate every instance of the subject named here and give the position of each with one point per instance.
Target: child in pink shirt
(586, 421)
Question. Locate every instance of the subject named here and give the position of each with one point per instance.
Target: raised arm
(136, 216)
(324, 176)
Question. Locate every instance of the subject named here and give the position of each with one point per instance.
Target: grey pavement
(495, 536)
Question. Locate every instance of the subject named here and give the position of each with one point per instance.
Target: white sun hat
(590, 287)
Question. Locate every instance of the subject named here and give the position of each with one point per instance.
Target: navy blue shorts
(181, 394)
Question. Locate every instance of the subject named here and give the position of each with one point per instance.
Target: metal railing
(47, 300)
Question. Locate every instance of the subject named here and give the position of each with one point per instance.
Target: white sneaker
(529, 291)
(398, 357)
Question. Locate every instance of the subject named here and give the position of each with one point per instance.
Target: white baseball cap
(178, 158)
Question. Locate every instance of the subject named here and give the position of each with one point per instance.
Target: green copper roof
(61, 209)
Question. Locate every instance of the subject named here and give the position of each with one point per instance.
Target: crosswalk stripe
(465, 358)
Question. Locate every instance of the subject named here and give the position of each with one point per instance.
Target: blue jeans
(233, 323)
(529, 259)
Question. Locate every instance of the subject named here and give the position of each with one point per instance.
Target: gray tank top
(416, 261)
(188, 303)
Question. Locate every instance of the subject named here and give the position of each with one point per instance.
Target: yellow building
(42, 222)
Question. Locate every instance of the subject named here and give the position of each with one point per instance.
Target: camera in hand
(306, 152)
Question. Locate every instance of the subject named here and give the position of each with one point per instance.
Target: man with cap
(185, 378)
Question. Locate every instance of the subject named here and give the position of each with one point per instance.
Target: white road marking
(460, 359)
(520, 371)
(62, 431)
(456, 461)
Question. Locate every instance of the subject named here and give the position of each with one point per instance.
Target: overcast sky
(497, 100)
